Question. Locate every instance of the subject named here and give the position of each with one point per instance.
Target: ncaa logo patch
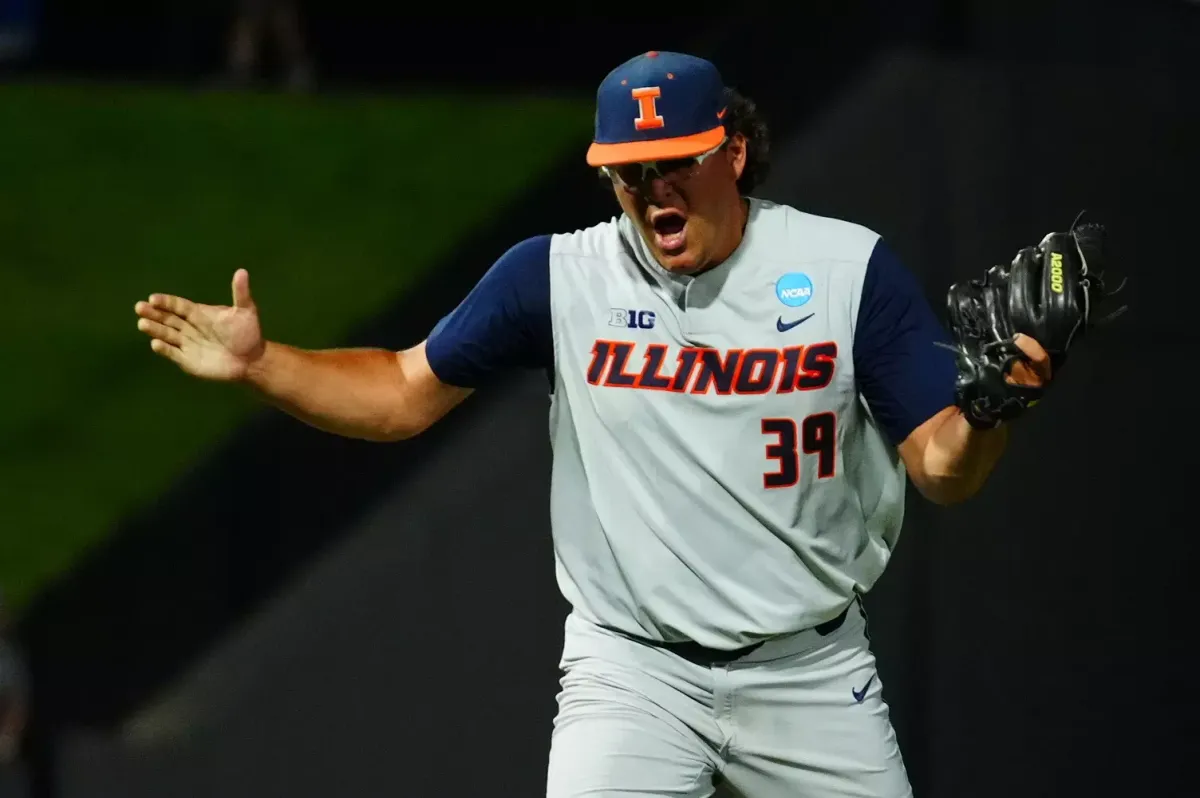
(794, 289)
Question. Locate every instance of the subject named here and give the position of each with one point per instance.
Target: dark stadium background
(300, 615)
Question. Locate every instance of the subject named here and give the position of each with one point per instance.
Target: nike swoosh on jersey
(784, 326)
(859, 695)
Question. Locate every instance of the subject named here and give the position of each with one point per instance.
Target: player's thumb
(241, 289)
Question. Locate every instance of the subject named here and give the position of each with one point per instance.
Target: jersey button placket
(685, 303)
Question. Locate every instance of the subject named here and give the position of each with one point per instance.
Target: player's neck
(734, 235)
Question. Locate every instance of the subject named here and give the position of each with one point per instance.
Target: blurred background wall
(211, 599)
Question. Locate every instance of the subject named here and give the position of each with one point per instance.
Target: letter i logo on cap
(648, 116)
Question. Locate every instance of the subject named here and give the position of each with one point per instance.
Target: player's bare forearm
(949, 460)
(370, 394)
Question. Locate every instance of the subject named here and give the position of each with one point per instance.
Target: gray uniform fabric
(665, 526)
(801, 715)
(718, 480)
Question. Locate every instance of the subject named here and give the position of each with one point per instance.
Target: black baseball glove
(1051, 293)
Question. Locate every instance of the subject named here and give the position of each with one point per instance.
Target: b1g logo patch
(631, 318)
(794, 289)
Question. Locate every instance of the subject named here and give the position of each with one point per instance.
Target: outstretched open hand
(213, 342)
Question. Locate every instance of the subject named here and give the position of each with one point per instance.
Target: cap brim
(654, 150)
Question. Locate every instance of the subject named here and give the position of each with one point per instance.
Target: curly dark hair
(742, 116)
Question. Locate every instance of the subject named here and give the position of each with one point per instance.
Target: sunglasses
(635, 175)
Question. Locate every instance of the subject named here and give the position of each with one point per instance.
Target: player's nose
(660, 192)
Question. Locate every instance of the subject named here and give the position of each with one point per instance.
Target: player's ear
(736, 154)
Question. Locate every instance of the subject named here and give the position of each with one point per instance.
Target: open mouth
(670, 231)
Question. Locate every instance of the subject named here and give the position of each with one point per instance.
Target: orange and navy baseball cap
(658, 106)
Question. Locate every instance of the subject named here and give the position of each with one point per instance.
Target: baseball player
(738, 392)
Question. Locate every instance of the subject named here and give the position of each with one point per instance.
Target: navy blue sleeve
(502, 324)
(904, 378)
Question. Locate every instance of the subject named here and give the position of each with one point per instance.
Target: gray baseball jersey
(725, 464)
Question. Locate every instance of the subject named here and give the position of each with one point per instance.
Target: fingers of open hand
(147, 311)
(161, 332)
(172, 304)
(161, 347)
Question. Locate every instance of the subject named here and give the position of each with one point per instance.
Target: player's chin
(683, 263)
(679, 256)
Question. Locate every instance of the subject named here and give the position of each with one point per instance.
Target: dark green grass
(334, 205)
